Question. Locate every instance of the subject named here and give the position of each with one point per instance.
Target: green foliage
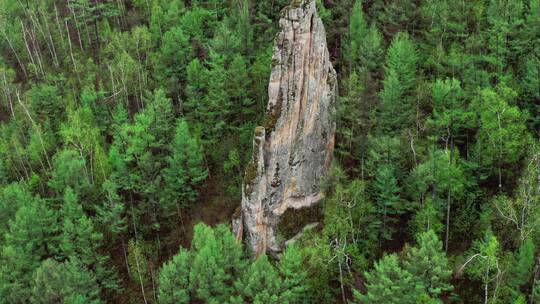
(522, 269)
(185, 170)
(348, 212)
(69, 170)
(79, 239)
(173, 279)
(133, 120)
(111, 214)
(389, 283)
(502, 134)
(294, 276)
(389, 204)
(365, 48)
(29, 239)
(400, 77)
(216, 270)
(485, 262)
(174, 54)
(211, 269)
(429, 264)
(504, 18)
(45, 103)
(12, 197)
(67, 282)
(259, 284)
(450, 115)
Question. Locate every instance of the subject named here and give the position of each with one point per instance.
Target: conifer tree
(173, 280)
(400, 78)
(174, 54)
(196, 87)
(365, 42)
(260, 283)
(80, 240)
(186, 169)
(504, 17)
(212, 270)
(293, 275)
(243, 27)
(64, 282)
(390, 284)
(30, 238)
(12, 197)
(388, 201)
(69, 171)
(428, 263)
(522, 268)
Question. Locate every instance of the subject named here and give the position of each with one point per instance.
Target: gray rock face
(292, 151)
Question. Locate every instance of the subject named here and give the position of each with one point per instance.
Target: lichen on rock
(293, 149)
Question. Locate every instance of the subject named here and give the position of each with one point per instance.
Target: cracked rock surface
(293, 149)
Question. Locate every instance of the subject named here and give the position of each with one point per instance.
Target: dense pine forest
(126, 128)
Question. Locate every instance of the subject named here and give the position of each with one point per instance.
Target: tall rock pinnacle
(293, 149)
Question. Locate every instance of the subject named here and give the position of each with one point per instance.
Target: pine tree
(139, 155)
(211, 269)
(225, 42)
(194, 106)
(504, 17)
(238, 86)
(46, 104)
(449, 112)
(428, 263)
(174, 54)
(29, 239)
(219, 104)
(186, 169)
(354, 122)
(157, 25)
(522, 268)
(243, 27)
(400, 77)
(293, 275)
(64, 282)
(260, 283)
(365, 42)
(388, 200)
(12, 197)
(530, 82)
(390, 284)
(69, 171)
(396, 16)
(173, 13)
(80, 240)
(173, 279)
(441, 180)
(111, 213)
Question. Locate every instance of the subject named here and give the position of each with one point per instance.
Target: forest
(126, 127)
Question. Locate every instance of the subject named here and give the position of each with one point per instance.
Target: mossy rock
(259, 131)
(294, 220)
(298, 3)
(250, 174)
(237, 212)
(272, 115)
(275, 61)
